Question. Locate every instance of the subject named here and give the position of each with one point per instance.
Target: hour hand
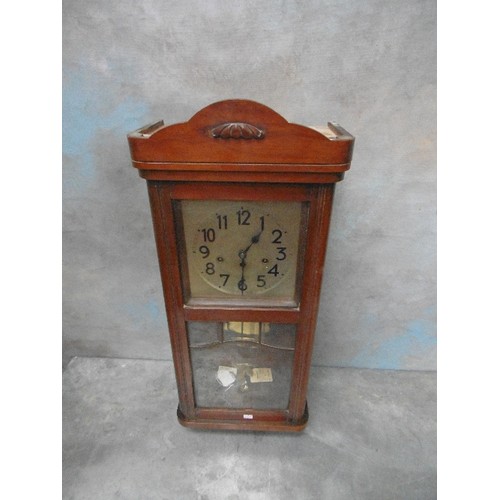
(255, 239)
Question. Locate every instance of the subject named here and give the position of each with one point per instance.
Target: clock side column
(317, 240)
(164, 230)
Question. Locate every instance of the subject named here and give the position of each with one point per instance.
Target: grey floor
(371, 435)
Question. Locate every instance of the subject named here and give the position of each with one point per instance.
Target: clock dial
(244, 252)
(242, 249)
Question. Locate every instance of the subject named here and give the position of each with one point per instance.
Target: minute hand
(242, 254)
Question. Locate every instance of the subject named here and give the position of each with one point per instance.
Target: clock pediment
(243, 132)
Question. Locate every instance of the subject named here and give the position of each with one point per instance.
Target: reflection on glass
(239, 364)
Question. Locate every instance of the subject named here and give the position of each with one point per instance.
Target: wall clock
(241, 202)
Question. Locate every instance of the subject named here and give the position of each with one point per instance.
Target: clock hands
(255, 239)
(242, 254)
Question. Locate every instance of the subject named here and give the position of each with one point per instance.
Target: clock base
(244, 425)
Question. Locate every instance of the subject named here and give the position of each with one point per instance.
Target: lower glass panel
(239, 364)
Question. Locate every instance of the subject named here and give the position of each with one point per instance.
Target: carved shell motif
(236, 130)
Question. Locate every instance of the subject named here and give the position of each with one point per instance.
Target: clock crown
(241, 136)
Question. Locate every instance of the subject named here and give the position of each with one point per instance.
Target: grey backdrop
(368, 65)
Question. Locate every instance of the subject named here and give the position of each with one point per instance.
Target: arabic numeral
(281, 253)
(261, 281)
(277, 236)
(222, 221)
(274, 270)
(243, 217)
(205, 251)
(208, 234)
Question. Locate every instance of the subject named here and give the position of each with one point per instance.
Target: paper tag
(261, 375)
(226, 375)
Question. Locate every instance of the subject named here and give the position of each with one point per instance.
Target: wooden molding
(211, 137)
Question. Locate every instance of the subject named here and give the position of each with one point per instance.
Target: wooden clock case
(241, 150)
